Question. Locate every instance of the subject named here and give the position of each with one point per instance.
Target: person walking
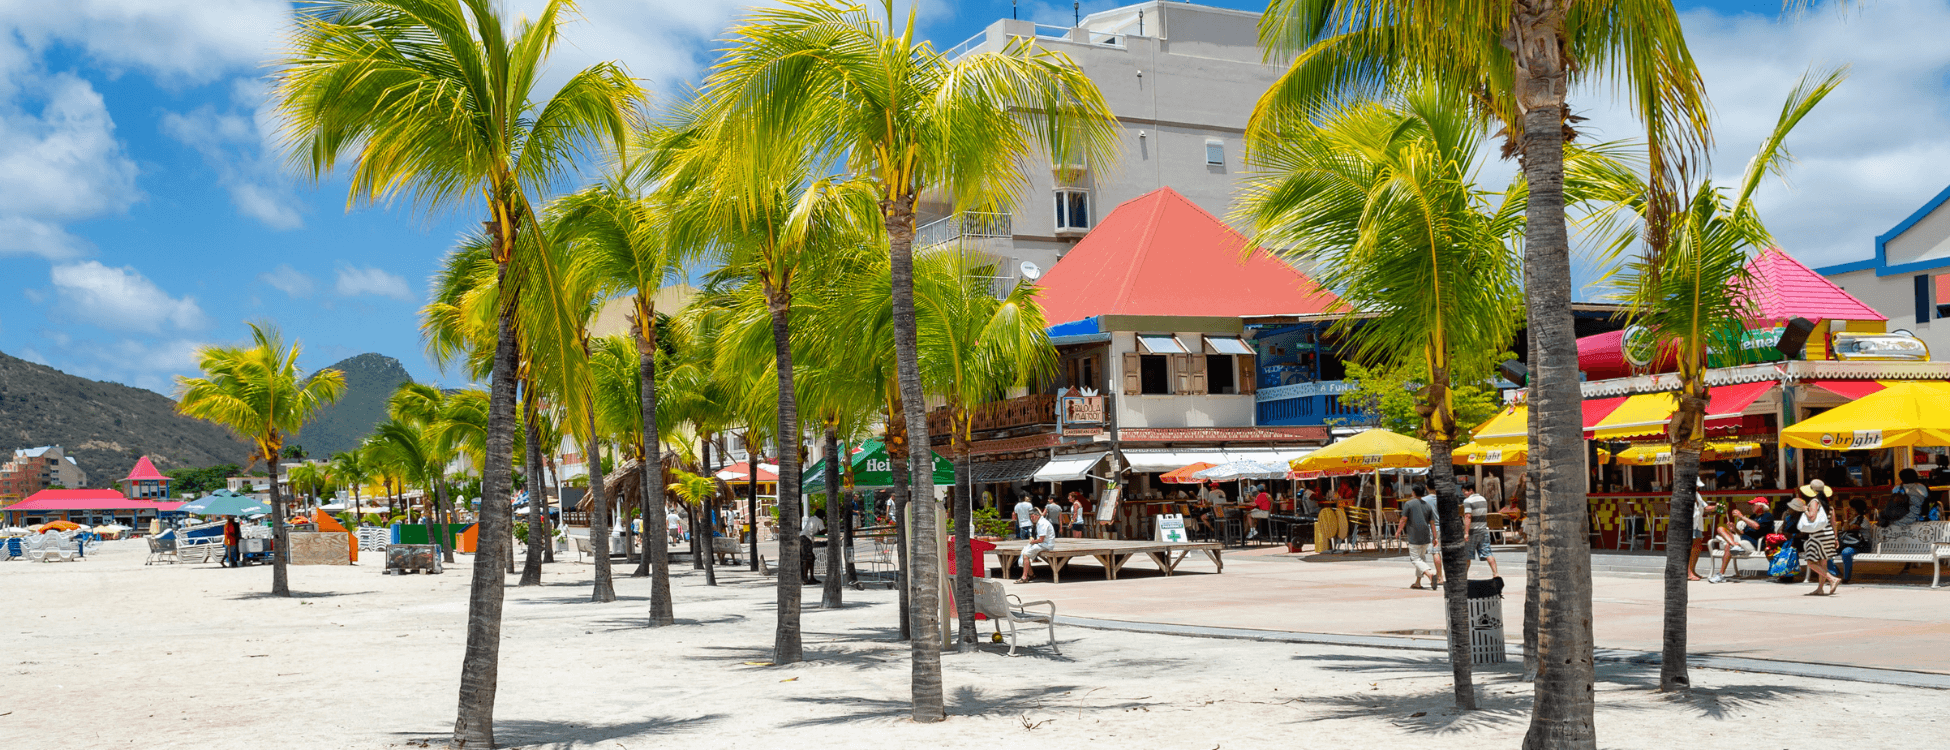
(1025, 525)
(1076, 515)
(1820, 542)
(811, 527)
(1476, 518)
(1044, 541)
(1417, 527)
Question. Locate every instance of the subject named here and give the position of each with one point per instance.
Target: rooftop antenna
(1012, 10)
(1077, 9)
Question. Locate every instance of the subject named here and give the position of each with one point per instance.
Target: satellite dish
(1030, 270)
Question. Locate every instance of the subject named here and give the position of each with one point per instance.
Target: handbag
(1785, 562)
(1853, 538)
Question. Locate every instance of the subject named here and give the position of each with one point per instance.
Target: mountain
(370, 380)
(104, 426)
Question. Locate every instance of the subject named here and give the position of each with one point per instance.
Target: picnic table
(1113, 554)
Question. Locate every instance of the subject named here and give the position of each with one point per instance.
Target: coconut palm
(1381, 203)
(857, 86)
(349, 473)
(423, 409)
(974, 349)
(314, 478)
(258, 393)
(438, 101)
(1517, 61)
(1691, 295)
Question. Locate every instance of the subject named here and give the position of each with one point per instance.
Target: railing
(954, 53)
(967, 224)
(1038, 409)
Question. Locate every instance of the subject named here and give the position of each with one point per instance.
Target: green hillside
(370, 379)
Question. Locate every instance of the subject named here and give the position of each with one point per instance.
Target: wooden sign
(1083, 409)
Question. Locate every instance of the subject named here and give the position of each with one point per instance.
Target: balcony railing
(1028, 411)
(964, 225)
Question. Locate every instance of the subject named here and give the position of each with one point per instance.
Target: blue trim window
(1922, 298)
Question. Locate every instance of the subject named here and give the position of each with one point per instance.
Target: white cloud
(239, 144)
(289, 280)
(59, 165)
(356, 281)
(1870, 154)
(188, 41)
(121, 299)
(151, 364)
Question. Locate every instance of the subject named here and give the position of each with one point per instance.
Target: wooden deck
(1111, 553)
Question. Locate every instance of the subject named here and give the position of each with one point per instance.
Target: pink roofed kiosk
(1161, 255)
(90, 507)
(145, 483)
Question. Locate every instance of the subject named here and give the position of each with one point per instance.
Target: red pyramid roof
(1783, 288)
(1160, 254)
(144, 471)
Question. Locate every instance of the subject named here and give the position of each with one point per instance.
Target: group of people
(1420, 526)
(1039, 526)
(1826, 542)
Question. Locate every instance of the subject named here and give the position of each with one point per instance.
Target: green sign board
(872, 470)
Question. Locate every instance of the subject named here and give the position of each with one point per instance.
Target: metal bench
(1921, 542)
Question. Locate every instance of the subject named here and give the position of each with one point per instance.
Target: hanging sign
(1850, 441)
(1082, 409)
(1107, 507)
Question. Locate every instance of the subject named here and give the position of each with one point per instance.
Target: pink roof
(1784, 288)
(1160, 254)
(85, 500)
(740, 472)
(144, 471)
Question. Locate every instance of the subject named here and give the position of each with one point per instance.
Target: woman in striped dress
(1820, 542)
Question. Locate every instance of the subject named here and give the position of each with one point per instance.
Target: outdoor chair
(1497, 528)
(996, 603)
(13, 549)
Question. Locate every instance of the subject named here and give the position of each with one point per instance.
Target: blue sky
(145, 209)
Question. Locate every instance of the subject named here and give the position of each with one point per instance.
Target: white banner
(1303, 390)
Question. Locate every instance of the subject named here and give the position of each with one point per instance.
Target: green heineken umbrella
(872, 470)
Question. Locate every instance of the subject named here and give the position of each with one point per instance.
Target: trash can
(1486, 621)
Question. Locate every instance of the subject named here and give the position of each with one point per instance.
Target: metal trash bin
(1486, 621)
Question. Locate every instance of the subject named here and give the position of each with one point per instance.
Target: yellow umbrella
(1660, 454)
(1481, 453)
(1903, 414)
(1367, 451)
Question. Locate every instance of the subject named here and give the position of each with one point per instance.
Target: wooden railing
(1027, 411)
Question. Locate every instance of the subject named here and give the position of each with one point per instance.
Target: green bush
(521, 529)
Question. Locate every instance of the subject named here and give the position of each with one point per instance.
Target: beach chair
(996, 603)
(13, 549)
(57, 549)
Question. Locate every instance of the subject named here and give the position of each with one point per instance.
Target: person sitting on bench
(1044, 541)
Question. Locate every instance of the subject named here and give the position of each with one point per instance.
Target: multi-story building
(1181, 79)
(1907, 279)
(34, 469)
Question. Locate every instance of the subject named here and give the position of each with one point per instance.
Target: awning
(1903, 414)
(1014, 470)
(1597, 409)
(1156, 461)
(1513, 453)
(1160, 343)
(1848, 389)
(1513, 423)
(1069, 468)
(1226, 345)
(1648, 413)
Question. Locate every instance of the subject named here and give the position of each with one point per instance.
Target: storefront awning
(1648, 413)
(1069, 468)
(1902, 414)
(1513, 423)
(1158, 461)
(1015, 470)
(1514, 452)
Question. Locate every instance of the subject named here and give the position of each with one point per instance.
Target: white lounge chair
(1000, 606)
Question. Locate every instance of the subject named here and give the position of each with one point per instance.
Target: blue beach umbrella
(225, 503)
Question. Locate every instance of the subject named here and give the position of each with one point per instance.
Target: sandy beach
(110, 653)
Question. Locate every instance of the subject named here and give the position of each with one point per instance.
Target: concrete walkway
(1904, 627)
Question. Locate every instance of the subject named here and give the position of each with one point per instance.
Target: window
(1942, 295)
(1160, 343)
(1922, 298)
(1090, 373)
(1215, 152)
(1155, 373)
(1072, 209)
(1219, 374)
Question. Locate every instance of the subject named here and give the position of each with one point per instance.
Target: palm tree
(419, 441)
(858, 87)
(312, 477)
(974, 349)
(1690, 295)
(1381, 202)
(258, 392)
(349, 472)
(437, 100)
(1517, 60)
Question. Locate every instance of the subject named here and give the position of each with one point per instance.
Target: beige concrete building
(1182, 80)
(1908, 276)
(34, 469)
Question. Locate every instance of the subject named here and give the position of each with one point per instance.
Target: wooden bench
(1921, 542)
(1112, 554)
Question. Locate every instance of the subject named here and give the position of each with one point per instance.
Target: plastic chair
(995, 602)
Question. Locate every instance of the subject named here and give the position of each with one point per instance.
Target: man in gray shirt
(1418, 525)
(1476, 518)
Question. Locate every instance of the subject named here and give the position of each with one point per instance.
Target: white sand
(109, 653)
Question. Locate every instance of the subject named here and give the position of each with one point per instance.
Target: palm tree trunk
(1562, 715)
(710, 546)
(925, 646)
(787, 647)
(656, 540)
(280, 540)
(432, 519)
(964, 535)
(830, 596)
(480, 666)
(1533, 519)
(897, 471)
(1679, 545)
(1455, 568)
(446, 518)
(751, 492)
(690, 522)
(605, 590)
(555, 483)
(710, 566)
(531, 570)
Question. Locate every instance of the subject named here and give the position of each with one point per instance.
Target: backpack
(1785, 562)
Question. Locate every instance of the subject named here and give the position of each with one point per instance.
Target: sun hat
(1797, 505)
(1817, 489)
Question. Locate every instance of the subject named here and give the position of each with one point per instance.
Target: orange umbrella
(1184, 475)
(57, 526)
